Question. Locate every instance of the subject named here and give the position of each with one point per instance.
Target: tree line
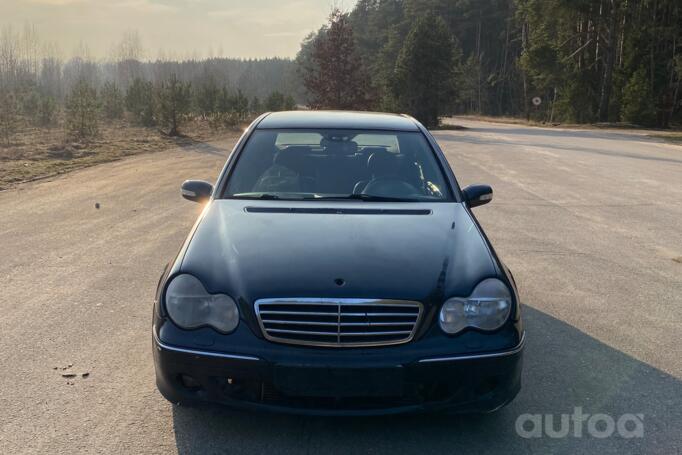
(38, 88)
(581, 61)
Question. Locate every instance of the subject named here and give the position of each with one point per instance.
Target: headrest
(339, 147)
(291, 156)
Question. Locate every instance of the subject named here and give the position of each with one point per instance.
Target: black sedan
(337, 268)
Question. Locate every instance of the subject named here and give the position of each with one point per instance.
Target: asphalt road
(589, 221)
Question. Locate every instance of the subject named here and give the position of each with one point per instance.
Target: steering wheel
(390, 187)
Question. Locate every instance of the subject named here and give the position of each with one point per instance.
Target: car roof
(338, 120)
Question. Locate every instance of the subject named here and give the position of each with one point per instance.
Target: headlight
(487, 308)
(190, 306)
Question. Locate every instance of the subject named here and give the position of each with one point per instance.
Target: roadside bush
(223, 120)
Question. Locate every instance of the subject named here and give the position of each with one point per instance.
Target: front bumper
(323, 385)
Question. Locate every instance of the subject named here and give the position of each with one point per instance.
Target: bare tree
(9, 55)
(51, 67)
(30, 49)
(129, 53)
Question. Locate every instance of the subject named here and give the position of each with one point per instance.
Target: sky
(174, 28)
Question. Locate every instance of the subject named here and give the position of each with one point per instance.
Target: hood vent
(338, 211)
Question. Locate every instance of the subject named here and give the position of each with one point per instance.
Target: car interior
(338, 165)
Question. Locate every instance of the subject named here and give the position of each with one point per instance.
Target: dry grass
(43, 152)
(673, 136)
(522, 121)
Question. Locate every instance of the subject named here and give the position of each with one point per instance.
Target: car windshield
(338, 164)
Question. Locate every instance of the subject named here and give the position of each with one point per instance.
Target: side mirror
(476, 195)
(197, 190)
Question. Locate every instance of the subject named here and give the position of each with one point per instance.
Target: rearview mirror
(197, 190)
(476, 195)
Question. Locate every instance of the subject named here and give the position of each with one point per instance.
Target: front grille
(338, 322)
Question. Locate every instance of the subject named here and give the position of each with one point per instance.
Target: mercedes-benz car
(337, 268)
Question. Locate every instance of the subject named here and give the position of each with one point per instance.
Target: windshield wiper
(256, 196)
(367, 197)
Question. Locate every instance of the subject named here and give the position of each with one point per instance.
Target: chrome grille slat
(380, 314)
(342, 324)
(333, 324)
(338, 322)
(374, 324)
(303, 332)
(304, 313)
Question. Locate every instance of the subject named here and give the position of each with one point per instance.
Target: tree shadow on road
(193, 145)
(564, 368)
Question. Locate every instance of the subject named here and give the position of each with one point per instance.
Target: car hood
(264, 249)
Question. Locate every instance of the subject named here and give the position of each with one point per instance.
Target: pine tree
(139, 102)
(240, 104)
(256, 107)
(334, 75)
(289, 103)
(112, 101)
(274, 102)
(207, 97)
(82, 112)
(638, 103)
(224, 103)
(469, 84)
(47, 111)
(30, 103)
(174, 101)
(423, 81)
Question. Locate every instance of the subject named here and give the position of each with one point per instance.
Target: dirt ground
(36, 153)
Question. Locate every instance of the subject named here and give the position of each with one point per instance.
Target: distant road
(590, 222)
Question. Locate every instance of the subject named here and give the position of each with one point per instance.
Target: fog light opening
(486, 386)
(190, 382)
